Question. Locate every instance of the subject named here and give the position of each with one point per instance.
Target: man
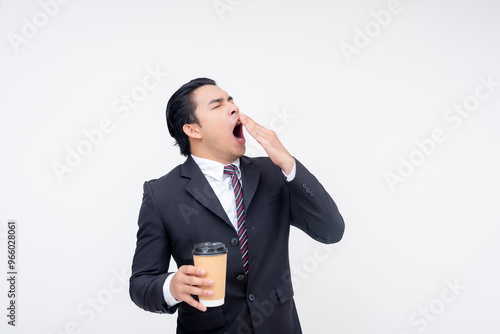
(195, 202)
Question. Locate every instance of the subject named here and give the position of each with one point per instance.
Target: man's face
(221, 132)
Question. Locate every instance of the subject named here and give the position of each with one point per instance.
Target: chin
(239, 153)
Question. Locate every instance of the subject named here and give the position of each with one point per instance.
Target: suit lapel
(251, 177)
(201, 190)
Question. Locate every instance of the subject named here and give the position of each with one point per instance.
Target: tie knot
(230, 169)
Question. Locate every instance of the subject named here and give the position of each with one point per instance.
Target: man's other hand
(187, 281)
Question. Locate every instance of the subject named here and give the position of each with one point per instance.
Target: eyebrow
(219, 100)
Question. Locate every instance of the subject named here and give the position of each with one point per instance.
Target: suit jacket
(180, 209)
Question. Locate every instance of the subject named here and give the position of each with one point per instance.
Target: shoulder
(170, 179)
(267, 170)
(259, 162)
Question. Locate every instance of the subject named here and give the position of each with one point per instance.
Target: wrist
(287, 165)
(168, 296)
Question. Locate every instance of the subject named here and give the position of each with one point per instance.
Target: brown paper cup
(212, 256)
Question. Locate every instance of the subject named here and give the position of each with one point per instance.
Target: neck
(207, 155)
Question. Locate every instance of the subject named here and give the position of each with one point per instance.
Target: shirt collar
(213, 168)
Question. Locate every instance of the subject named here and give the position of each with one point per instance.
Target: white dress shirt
(221, 185)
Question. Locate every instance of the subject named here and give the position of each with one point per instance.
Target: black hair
(181, 110)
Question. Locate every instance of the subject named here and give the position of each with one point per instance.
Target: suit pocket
(283, 292)
(202, 321)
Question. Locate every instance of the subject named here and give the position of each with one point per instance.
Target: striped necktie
(240, 214)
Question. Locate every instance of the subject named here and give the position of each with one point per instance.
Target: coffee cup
(212, 256)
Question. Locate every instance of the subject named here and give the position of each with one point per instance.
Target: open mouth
(238, 131)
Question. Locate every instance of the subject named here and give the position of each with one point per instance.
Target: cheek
(217, 135)
(216, 130)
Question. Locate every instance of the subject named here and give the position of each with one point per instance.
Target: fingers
(247, 121)
(187, 282)
(187, 297)
(270, 143)
(192, 270)
(191, 276)
(260, 133)
(191, 301)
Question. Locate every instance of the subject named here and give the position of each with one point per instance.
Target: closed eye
(220, 101)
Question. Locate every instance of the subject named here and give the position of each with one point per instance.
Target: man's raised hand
(270, 143)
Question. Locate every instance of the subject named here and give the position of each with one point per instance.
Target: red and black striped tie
(240, 214)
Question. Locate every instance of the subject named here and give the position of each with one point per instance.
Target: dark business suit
(180, 209)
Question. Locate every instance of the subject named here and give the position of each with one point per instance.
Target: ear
(192, 130)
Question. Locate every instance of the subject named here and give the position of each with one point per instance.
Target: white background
(349, 118)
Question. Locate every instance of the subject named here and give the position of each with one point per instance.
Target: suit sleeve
(312, 209)
(151, 258)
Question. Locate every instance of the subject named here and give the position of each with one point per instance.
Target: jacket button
(235, 242)
(308, 190)
(304, 186)
(240, 277)
(251, 297)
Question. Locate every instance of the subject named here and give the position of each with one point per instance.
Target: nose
(234, 110)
